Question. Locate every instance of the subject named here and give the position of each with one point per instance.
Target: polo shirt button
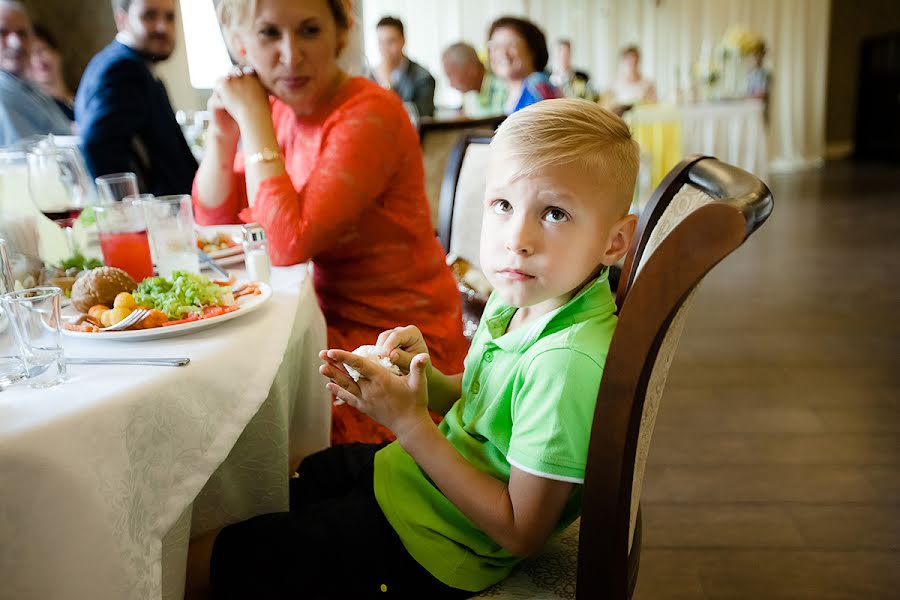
(383, 587)
(488, 356)
(475, 387)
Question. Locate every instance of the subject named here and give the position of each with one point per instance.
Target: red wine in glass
(64, 218)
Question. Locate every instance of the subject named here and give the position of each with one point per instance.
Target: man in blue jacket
(122, 110)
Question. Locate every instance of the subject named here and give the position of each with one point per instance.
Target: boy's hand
(400, 403)
(401, 344)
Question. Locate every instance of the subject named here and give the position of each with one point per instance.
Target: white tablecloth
(103, 479)
(732, 131)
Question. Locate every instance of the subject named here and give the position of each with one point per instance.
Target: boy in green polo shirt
(448, 510)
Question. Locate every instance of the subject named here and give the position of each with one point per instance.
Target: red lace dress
(353, 201)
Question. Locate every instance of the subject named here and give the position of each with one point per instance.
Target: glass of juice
(123, 238)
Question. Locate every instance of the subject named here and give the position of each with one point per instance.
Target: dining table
(106, 477)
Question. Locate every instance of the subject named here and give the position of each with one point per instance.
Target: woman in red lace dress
(331, 168)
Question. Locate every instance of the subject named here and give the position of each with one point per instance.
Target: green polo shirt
(527, 401)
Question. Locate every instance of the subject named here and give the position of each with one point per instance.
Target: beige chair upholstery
(674, 207)
(462, 197)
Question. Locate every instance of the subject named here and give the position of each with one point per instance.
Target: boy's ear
(620, 236)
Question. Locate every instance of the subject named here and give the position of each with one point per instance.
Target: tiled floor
(775, 467)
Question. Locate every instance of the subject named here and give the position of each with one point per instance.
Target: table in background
(103, 479)
(732, 131)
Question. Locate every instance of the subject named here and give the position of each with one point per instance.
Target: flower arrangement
(740, 41)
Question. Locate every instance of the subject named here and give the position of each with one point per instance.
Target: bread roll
(100, 286)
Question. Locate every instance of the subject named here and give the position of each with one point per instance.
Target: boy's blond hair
(570, 131)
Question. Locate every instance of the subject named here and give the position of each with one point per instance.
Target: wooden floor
(775, 467)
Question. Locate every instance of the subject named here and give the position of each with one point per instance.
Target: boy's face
(546, 234)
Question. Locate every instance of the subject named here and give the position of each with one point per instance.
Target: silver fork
(134, 318)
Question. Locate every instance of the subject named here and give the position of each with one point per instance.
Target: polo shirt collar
(593, 299)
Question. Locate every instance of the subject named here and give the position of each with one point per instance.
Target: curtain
(670, 34)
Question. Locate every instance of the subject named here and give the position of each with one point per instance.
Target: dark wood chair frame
(647, 307)
(450, 182)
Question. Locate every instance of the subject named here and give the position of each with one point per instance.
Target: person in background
(630, 86)
(331, 167)
(483, 94)
(24, 109)
(518, 54)
(46, 70)
(759, 79)
(122, 109)
(572, 83)
(410, 80)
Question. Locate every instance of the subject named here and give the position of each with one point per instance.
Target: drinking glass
(115, 187)
(123, 238)
(170, 220)
(59, 184)
(11, 368)
(33, 316)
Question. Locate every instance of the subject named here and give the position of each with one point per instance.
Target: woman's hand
(401, 344)
(223, 125)
(400, 403)
(242, 95)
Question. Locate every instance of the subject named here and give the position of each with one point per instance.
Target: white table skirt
(732, 131)
(103, 479)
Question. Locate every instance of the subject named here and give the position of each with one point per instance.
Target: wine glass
(58, 184)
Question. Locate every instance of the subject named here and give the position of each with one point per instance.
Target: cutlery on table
(153, 362)
(212, 265)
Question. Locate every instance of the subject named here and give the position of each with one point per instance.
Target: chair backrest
(462, 196)
(438, 138)
(701, 212)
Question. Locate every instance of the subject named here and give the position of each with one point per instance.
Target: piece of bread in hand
(376, 355)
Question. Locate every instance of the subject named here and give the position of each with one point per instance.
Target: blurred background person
(630, 86)
(572, 83)
(124, 116)
(24, 109)
(410, 80)
(518, 54)
(45, 69)
(759, 79)
(483, 94)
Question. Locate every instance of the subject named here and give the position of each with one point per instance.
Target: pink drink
(129, 251)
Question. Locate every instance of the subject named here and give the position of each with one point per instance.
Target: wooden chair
(462, 195)
(702, 211)
(438, 138)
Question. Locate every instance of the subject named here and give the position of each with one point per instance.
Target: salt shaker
(256, 253)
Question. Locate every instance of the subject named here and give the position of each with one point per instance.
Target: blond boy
(448, 510)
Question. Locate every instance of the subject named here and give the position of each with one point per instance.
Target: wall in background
(852, 21)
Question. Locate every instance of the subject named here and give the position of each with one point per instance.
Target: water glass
(33, 316)
(115, 187)
(123, 238)
(170, 220)
(11, 368)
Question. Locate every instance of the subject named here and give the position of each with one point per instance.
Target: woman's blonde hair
(235, 13)
(570, 131)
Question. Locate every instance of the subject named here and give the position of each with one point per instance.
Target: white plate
(247, 305)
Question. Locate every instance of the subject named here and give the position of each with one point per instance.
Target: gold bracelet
(265, 155)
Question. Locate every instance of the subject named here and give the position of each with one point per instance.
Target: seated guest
(410, 80)
(518, 53)
(483, 94)
(331, 168)
(24, 109)
(123, 112)
(447, 511)
(45, 69)
(572, 83)
(630, 86)
(759, 79)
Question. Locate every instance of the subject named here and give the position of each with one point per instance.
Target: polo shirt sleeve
(552, 412)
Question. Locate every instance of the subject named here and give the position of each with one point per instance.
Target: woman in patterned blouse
(331, 168)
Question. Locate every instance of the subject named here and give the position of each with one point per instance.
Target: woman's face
(45, 64)
(293, 46)
(510, 57)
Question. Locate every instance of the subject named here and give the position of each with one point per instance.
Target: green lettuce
(179, 295)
